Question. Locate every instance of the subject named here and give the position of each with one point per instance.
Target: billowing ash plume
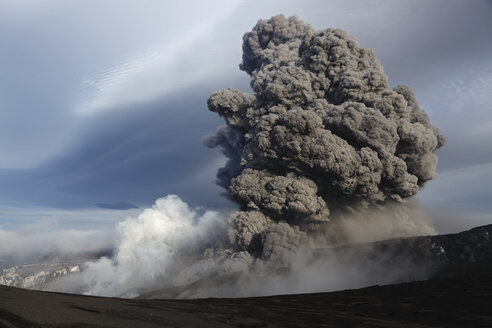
(322, 132)
(323, 153)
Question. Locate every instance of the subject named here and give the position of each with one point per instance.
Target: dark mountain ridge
(432, 254)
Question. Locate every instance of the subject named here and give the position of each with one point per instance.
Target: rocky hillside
(421, 257)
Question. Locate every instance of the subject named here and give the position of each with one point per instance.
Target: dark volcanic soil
(459, 297)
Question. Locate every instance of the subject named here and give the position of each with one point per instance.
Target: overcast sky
(105, 101)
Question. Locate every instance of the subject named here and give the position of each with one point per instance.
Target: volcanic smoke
(322, 133)
(322, 153)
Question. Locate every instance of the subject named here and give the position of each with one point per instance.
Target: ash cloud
(323, 153)
(322, 134)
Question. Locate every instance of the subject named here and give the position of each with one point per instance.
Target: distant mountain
(36, 276)
(40, 274)
(116, 206)
(423, 256)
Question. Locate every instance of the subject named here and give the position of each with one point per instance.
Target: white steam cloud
(151, 250)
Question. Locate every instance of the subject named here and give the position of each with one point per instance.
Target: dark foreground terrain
(458, 295)
(463, 300)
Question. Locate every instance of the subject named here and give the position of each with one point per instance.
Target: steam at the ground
(151, 250)
(181, 252)
(323, 153)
